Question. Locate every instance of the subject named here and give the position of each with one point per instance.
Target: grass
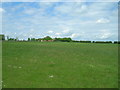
(59, 65)
(0, 64)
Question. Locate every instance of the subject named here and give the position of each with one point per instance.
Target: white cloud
(29, 11)
(58, 34)
(59, 0)
(2, 10)
(104, 34)
(65, 8)
(103, 20)
(66, 31)
(46, 4)
(67, 20)
(72, 9)
(31, 36)
(75, 35)
(32, 30)
(80, 9)
(50, 32)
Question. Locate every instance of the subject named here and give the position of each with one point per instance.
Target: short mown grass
(59, 65)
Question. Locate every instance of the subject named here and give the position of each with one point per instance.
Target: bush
(103, 42)
(33, 39)
(2, 37)
(63, 39)
(11, 39)
(75, 41)
(116, 42)
(47, 38)
(29, 39)
(85, 41)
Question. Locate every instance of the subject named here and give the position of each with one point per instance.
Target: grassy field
(59, 65)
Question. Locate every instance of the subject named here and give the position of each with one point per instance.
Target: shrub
(116, 42)
(85, 41)
(2, 37)
(63, 39)
(75, 41)
(103, 42)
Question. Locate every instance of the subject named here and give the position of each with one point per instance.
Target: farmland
(59, 65)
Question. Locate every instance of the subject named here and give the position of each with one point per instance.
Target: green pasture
(59, 65)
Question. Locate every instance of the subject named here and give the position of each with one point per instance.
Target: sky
(78, 20)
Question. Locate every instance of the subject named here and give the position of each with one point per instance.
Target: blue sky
(78, 20)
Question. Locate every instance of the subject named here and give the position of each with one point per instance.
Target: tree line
(48, 38)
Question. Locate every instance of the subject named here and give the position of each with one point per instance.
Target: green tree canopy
(47, 38)
(2, 37)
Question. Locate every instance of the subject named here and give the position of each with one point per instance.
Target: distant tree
(67, 39)
(75, 41)
(11, 39)
(47, 38)
(85, 41)
(29, 39)
(2, 37)
(63, 39)
(103, 42)
(33, 39)
(16, 39)
(116, 42)
(39, 39)
(36, 39)
(7, 37)
(57, 39)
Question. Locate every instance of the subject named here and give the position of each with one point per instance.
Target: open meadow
(59, 65)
